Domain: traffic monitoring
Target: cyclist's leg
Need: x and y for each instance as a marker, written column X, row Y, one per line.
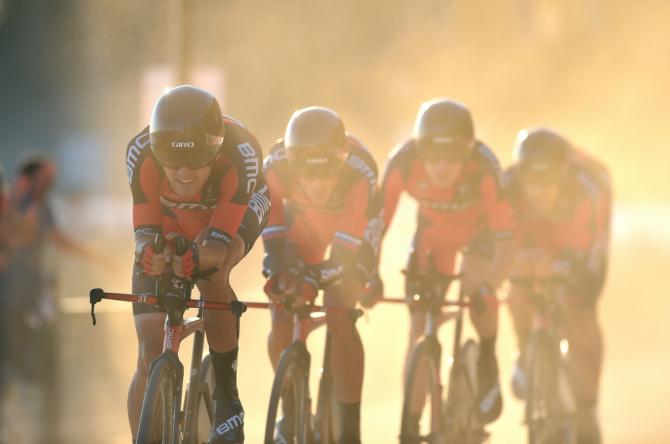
column 477, row 261
column 584, row 366
column 522, row 313
column 347, row 356
column 222, row 330
column 222, row 327
column 149, row 322
column 281, row 333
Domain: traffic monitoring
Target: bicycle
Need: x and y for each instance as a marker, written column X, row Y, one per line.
column 452, row 419
column 291, row 382
column 163, row 417
column 550, row 403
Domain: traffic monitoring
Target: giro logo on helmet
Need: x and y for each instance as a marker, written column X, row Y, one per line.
column 182, row 144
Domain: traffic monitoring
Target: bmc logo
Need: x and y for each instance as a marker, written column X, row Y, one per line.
column 231, row 423
column 260, row 203
column 186, row 205
column 360, row 165
column 134, row 152
column 251, row 166
column 182, row 144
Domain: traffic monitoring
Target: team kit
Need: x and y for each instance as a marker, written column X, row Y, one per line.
column 203, row 194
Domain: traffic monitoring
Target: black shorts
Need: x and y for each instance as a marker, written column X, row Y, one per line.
column 253, row 222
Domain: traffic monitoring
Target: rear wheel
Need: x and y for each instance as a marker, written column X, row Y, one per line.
column 158, row 418
column 546, row 418
column 422, row 404
column 289, row 393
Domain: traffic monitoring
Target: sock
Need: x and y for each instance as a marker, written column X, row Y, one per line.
column 225, row 374
column 487, row 348
column 350, row 415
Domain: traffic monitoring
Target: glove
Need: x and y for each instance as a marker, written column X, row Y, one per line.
column 279, row 285
column 152, row 262
column 374, row 292
column 308, row 288
column 184, row 265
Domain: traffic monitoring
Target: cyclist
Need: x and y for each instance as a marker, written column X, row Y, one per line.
column 322, row 181
column 456, row 181
column 562, row 199
column 197, row 173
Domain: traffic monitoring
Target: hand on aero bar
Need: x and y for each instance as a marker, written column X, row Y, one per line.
column 297, row 280
column 152, row 259
column 183, row 257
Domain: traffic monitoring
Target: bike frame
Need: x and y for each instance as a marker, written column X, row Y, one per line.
column 176, row 298
column 549, row 310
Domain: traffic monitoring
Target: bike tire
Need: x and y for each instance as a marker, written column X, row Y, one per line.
column 424, row 359
column 159, row 414
column 461, row 423
column 327, row 421
column 545, row 419
column 290, row 376
column 203, row 409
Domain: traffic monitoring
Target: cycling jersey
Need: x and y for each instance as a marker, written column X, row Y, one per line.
column 235, row 191
column 234, row 199
column 578, row 226
column 452, row 218
column 340, row 223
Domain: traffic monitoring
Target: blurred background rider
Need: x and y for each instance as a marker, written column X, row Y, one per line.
column 322, row 182
column 562, row 198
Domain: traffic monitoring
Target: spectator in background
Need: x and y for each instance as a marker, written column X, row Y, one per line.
column 26, row 224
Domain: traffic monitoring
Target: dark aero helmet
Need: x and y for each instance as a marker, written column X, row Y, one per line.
column 541, row 153
column 443, row 129
column 186, row 127
column 316, row 142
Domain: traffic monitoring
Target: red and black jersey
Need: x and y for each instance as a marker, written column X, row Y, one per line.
column 340, row 223
column 221, row 204
column 458, row 213
column 578, row 226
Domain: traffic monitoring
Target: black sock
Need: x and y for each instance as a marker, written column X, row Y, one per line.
column 350, row 415
column 225, row 374
column 487, row 348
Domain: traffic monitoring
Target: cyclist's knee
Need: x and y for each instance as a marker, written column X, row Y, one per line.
column 216, row 254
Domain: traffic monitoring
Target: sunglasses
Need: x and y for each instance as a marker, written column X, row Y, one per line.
column 312, row 172
column 435, row 152
column 541, row 172
column 192, row 160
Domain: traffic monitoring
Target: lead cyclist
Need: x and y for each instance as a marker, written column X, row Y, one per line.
column 196, row 173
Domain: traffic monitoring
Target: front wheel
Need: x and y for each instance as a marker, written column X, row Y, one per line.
column 327, row 421
column 461, row 424
column 158, row 418
column 289, row 389
column 422, row 381
column 547, row 420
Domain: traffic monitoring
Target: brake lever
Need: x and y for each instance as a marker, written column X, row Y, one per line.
column 95, row 296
